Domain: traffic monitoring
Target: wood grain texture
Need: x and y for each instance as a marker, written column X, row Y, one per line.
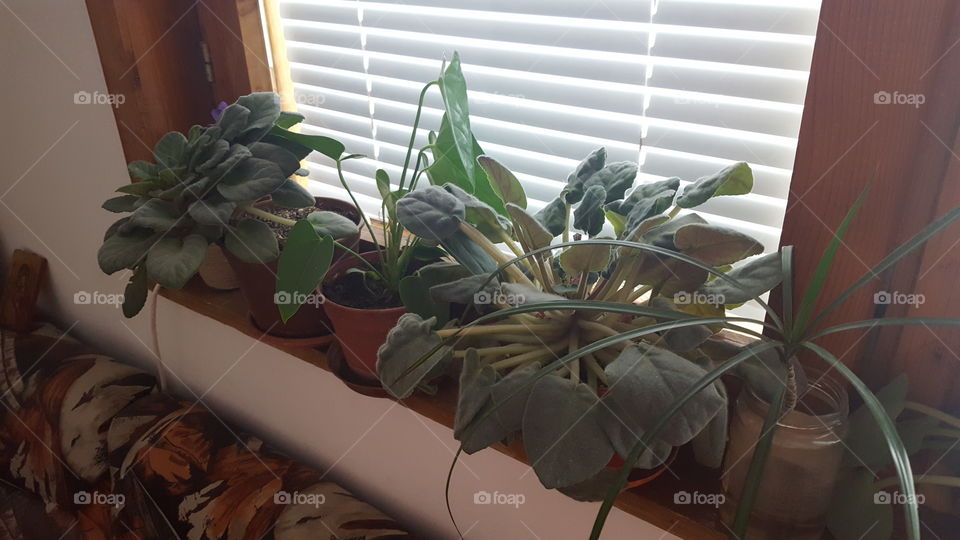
column 233, row 31
column 848, row 141
column 18, row 303
column 150, row 52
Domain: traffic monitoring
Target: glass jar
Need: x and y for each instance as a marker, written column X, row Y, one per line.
column 804, row 459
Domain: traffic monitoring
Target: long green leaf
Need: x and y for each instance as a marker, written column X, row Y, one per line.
column 453, row 88
column 786, row 285
column 822, row 271
column 331, row 148
column 898, row 452
column 650, row 435
column 761, row 452
column 900, row 252
column 894, row 321
column 642, row 247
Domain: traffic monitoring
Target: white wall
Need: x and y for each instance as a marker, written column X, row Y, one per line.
column 61, row 160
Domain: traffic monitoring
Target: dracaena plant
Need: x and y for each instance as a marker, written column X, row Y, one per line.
column 201, row 189
column 540, row 380
column 861, row 507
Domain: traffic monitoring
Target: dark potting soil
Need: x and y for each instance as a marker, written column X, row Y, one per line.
column 296, row 214
column 352, row 290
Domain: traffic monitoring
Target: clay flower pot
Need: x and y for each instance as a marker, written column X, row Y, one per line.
column 359, row 331
column 216, row 271
column 258, row 283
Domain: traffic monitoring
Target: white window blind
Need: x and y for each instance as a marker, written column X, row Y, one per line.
column 702, row 83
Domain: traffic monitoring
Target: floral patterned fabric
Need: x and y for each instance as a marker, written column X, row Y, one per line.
column 90, row 449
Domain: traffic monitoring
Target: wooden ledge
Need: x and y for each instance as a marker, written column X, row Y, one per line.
column 652, row 503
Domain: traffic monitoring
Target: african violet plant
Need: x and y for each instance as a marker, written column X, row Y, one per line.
column 202, row 189
column 616, row 342
column 592, row 287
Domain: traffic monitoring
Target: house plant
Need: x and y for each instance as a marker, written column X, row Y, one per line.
column 606, row 282
column 202, row 190
column 366, row 293
column 490, row 409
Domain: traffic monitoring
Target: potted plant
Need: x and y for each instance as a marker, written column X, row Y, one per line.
column 662, row 376
column 202, row 190
column 593, row 289
column 365, row 294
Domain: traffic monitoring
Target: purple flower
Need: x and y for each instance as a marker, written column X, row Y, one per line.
column 218, row 112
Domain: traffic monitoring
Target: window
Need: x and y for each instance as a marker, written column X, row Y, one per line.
column 699, row 82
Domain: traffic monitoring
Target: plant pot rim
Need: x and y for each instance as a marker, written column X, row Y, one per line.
column 334, row 272
column 267, row 203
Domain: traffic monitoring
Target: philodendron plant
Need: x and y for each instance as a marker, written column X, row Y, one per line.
column 584, row 355
column 593, row 288
column 201, row 189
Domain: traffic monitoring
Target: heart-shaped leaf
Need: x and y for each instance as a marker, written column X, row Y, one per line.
column 464, row 290
column 172, row 261
column 476, row 380
column 212, row 212
column 123, row 203
column 480, row 214
column 615, row 179
column 264, row 110
column 529, row 231
column 575, row 188
column 508, row 400
column 562, row 433
column 237, row 154
column 143, row 170
column 332, row 224
column 403, row 361
column 715, row 245
column 290, row 194
column 737, row 179
column 589, row 216
column 155, row 214
column 503, row 182
column 170, row 150
column 431, row 213
column 585, row 258
column 644, row 381
column 756, row 276
column 250, row 180
column 122, row 250
column 135, row 293
column 553, row 216
column 252, row 241
column 284, row 159
column 303, row 264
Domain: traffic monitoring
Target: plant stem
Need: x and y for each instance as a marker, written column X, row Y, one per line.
column 673, row 213
column 515, row 273
column 413, row 133
column 572, row 346
column 505, row 329
column 520, row 359
column 595, row 368
column 566, row 222
column 935, row 413
column 363, row 217
column 513, row 348
column 949, row 481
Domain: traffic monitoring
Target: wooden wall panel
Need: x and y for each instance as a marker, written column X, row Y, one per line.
column 848, row 140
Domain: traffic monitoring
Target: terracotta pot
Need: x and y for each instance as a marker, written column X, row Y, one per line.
column 639, row 477
column 258, row 283
column 360, row 332
column 216, row 271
